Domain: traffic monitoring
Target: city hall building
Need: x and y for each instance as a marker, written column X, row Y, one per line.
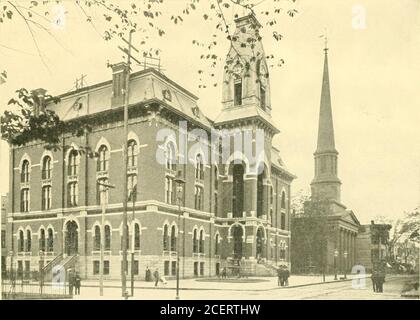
column 232, row 210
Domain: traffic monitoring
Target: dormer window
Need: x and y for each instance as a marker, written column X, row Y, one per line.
column 237, row 92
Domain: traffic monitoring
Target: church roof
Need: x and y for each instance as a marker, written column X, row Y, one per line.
column 326, row 141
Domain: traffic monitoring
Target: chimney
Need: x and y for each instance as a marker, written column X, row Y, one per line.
column 39, row 100
column 119, row 74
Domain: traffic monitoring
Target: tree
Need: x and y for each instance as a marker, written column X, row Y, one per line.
column 149, row 18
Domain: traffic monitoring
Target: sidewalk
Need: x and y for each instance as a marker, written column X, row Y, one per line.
column 255, row 284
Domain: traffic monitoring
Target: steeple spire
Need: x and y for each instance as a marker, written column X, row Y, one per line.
column 326, row 183
column 326, row 140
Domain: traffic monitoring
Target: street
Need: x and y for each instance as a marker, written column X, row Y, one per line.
column 326, row 291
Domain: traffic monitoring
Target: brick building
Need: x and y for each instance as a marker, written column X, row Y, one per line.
column 233, row 209
column 3, row 201
column 372, row 244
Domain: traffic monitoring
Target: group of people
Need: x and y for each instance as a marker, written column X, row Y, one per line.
column 378, row 279
column 75, row 282
column 283, row 275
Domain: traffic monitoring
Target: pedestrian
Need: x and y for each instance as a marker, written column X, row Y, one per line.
column 380, row 281
column 286, row 276
column 224, row 273
column 77, row 283
column 156, row 276
column 373, row 278
column 148, row 274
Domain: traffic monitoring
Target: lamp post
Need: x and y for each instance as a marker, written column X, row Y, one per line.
column 133, row 198
column 335, row 263
column 345, row 264
column 104, row 200
column 179, row 191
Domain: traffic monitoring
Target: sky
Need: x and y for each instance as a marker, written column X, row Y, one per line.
column 374, row 50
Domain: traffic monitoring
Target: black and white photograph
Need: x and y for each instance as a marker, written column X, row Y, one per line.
column 210, row 150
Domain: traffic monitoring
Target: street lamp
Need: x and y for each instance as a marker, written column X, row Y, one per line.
column 104, row 190
column 179, row 192
column 335, row 263
column 345, row 264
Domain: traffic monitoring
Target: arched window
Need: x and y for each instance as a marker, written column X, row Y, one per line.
column 107, row 238
column 73, row 165
column 42, row 240
column 24, row 175
column 103, row 160
column 165, row 238
column 73, row 194
column 132, row 152
column 24, row 200
column 50, row 241
column 198, row 196
column 46, row 168
column 132, row 187
column 195, row 241
column 173, row 238
column 28, row 240
column 170, row 156
column 199, row 167
column 238, row 191
column 136, row 236
column 237, row 91
column 283, row 200
column 216, row 245
column 46, row 197
column 201, row 243
column 21, row 242
column 97, row 239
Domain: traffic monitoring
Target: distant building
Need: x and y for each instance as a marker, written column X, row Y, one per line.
column 372, row 244
column 3, row 232
column 340, row 250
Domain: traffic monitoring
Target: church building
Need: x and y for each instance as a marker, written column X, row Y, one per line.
column 234, row 209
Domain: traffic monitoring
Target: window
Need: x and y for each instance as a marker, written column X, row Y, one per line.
column 97, row 239
column 216, row 179
column 107, row 238
column 21, row 242
column 72, row 168
column 260, row 194
column 132, row 152
column 24, row 175
column 106, row 267
column 42, row 240
column 101, row 191
column 216, row 245
column 173, row 238
column 283, row 221
column 24, row 200
column 238, row 190
column 132, row 187
column 216, row 203
column 170, row 156
column 237, row 92
column 196, row 268
column 165, row 238
column 262, row 97
column 169, row 190
column 46, row 168
column 46, row 197
column 201, row 243
column 136, row 236
column 283, row 200
column 20, row 269
column 199, row 167
column 27, row 269
column 199, row 197
column 96, row 267
column 195, row 241
column 166, row 268
column 28, row 240
column 73, row 194
column 103, row 160
column 50, row 241
column 173, row 268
